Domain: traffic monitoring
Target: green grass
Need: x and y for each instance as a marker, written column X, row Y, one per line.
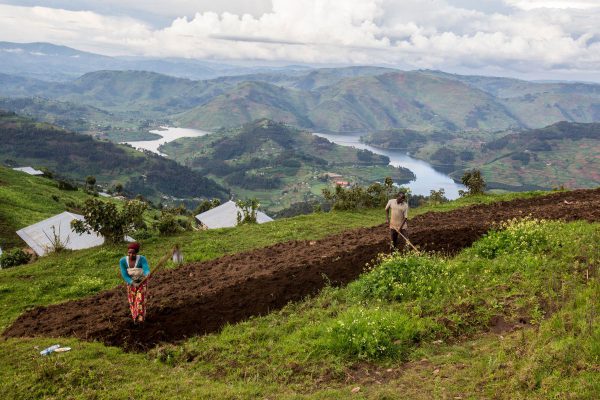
column 419, row 332
column 26, row 199
column 389, row 319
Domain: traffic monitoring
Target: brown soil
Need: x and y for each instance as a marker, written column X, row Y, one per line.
column 202, row 297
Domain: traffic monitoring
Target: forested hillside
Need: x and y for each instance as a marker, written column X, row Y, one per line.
column 75, row 156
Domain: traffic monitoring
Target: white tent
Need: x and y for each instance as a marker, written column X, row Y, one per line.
column 225, row 216
column 29, row 170
column 39, row 236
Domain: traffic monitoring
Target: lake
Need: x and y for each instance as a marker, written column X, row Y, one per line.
column 168, row 134
column 427, row 178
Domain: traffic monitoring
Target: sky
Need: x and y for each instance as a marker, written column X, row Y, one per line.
column 530, row 39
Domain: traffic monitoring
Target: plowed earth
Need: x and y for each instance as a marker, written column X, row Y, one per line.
column 201, row 297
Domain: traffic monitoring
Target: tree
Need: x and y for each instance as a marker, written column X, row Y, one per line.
column 358, row 197
column 437, row 196
column 90, row 181
column 206, row 205
column 105, row 219
column 474, row 183
column 247, row 213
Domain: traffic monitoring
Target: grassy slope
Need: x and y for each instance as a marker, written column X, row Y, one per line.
column 290, row 352
column 26, row 199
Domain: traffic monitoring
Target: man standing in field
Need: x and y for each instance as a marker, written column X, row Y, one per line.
column 398, row 208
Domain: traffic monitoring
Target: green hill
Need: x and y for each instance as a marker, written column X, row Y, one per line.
column 76, row 156
column 332, row 99
column 278, row 164
column 562, row 154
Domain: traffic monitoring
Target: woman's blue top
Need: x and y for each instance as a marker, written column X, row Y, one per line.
column 141, row 263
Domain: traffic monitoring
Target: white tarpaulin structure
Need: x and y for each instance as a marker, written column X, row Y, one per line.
column 39, row 236
column 225, row 216
column 29, row 170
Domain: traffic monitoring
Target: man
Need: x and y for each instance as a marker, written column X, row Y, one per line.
column 398, row 208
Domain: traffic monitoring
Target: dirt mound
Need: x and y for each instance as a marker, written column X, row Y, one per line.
column 201, row 297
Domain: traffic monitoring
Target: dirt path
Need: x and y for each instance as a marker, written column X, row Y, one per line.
column 201, row 297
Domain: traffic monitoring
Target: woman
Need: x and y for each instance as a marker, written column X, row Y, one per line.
column 134, row 268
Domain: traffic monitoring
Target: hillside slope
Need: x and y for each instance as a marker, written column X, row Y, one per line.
column 202, row 298
column 336, row 100
column 77, row 156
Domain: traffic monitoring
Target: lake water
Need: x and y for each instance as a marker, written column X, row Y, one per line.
column 168, row 134
column 427, row 178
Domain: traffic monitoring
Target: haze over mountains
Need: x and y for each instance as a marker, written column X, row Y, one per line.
column 60, row 63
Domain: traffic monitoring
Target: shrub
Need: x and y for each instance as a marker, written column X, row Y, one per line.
column 371, row 333
column 514, row 236
column 14, row 257
column 167, row 224
column 206, row 205
column 66, row 185
column 405, row 277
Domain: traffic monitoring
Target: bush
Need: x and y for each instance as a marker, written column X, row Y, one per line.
column 371, row 333
column 14, row 257
column 527, row 235
column 66, row 185
column 167, row 224
column 406, row 277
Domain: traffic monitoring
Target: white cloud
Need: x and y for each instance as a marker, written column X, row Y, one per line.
column 560, row 4
column 503, row 35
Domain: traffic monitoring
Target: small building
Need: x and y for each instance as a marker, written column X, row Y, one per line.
column 40, row 236
column 29, row 170
column 225, row 216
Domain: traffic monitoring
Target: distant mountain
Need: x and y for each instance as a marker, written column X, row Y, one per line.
column 77, row 156
column 357, row 99
column 537, row 104
column 367, row 102
column 50, row 62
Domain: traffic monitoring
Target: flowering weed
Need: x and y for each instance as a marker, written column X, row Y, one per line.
column 515, row 236
column 405, row 277
column 374, row 333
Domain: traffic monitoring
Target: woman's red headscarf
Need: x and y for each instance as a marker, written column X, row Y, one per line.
column 134, row 246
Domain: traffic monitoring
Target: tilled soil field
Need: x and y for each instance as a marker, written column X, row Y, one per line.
column 200, row 298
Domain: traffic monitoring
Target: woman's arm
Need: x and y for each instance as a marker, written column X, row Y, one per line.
column 145, row 265
column 124, row 274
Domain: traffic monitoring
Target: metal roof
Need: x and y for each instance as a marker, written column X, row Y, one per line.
column 225, row 216
column 38, row 236
column 29, row 170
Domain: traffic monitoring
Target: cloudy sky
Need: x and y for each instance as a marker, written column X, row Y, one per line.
column 532, row 39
